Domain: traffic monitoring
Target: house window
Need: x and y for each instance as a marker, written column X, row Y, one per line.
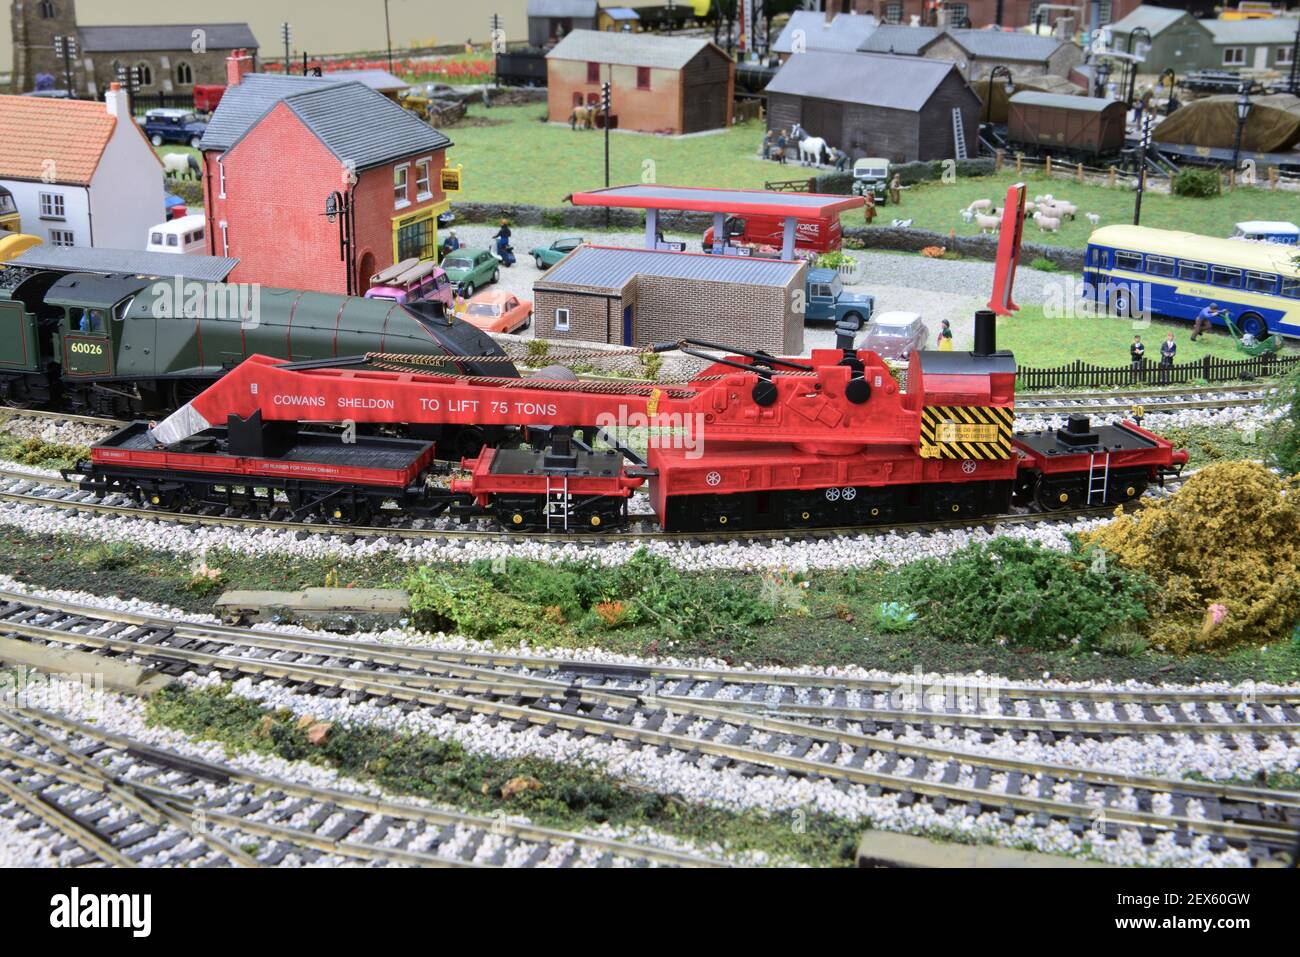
column 958, row 14
column 1234, row 56
column 593, row 72
column 415, row 240
column 893, row 13
column 225, row 239
column 48, row 10
column 1104, row 12
column 1284, row 55
column 145, row 72
column 422, row 190
column 221, row 174
column 401, row 192
column 643, row 78
column 561, row 320
column 52, row 206
column 184, row 74
column 62, row 237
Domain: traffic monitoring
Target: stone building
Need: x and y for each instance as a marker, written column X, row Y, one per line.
column 169, row 58
column 639, row 296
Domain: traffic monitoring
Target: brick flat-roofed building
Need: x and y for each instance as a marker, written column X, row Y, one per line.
column 639, row 296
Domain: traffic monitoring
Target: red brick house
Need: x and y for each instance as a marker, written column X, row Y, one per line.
column 282, row 151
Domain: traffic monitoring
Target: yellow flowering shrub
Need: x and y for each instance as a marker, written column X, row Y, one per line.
column 1224, row 551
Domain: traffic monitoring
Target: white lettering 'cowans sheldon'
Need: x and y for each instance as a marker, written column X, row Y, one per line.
column 76, row 910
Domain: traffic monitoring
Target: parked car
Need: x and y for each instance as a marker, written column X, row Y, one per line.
column 826, row 301
column 182, row 236
column 411, row 280
column 872, row 174
column 471, row 269
column 547, row 256
column 497, row 311
column 173, row 126
column 895, row 335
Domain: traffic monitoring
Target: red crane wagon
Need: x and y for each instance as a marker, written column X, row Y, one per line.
column 774, row 443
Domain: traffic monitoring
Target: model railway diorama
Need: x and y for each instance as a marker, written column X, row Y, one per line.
column 828, row 440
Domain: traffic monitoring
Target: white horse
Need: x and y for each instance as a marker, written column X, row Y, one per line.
column 180, row 165
column 811, row 148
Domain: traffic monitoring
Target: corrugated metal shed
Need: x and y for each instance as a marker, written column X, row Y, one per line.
column 844, row 34
column 94, row 259
column 628, row 49
column 871, row 79
column 997, row 44
column 562, row 8
column 611, row 268
column 1150, row 18
column 1278, row 30
column 1090, row 104
column 168, row 37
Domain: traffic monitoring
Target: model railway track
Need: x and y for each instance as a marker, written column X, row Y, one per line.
column 25, row 488
column 1130, row 395
column 1148, row 406
column 57, row 417
column 872, row 704
column 125, row 802
column 1262, row 822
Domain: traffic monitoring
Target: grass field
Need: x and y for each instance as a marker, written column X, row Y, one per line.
column 520, row 159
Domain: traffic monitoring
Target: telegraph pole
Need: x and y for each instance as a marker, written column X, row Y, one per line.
column 1145, row 148
column 388, row 36
column 494, row 32
column 129, row 79
column 66, row 47
column 605, row 92
column 285, row 33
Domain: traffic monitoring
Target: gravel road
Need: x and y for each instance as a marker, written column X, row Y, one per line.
column 936, row 288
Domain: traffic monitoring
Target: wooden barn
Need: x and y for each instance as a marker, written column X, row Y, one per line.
column 903, row 108
column 659, row 84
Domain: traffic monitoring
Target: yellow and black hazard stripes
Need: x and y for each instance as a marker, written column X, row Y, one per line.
column 966, row 432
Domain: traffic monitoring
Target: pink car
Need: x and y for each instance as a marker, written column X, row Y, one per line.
column 411, row 280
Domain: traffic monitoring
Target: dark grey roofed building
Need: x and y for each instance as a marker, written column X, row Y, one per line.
column 867, row 104
column 95, row 259
column 244, row 104
column 610, row 267
column 549, row 20
column 629, row 49
column 380, row 81
column 813, row 32
column 171, row 36
column 892, row 38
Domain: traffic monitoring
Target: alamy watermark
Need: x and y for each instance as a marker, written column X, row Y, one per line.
column 181, row 298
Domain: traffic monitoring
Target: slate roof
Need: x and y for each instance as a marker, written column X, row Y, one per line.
column 871, row 79
column 380, row 80
column 172, row 36
column 844, row 34
column 1152, row 18
column 70, row 133
column 562, row 8
column 892, row 38
column 1279, row 31
column 244, row 104
column 1000, row 45
column 628, row 49
column 610, row 267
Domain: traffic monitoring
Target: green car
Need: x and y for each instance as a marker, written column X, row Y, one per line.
column 547, row 256
column 471, row 269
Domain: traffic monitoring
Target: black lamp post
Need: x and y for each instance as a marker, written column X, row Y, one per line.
column 1133, row 67
column 994, row 73
column 1294, row 83
column 1145, row 125
column 1243, row 112
column 1103, row 76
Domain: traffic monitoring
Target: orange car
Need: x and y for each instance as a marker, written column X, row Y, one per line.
column 496, row 311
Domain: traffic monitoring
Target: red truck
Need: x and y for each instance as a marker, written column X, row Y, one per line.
column 762, row 236
column 206, row 98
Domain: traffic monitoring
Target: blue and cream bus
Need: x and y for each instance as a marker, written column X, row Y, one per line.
column 1137, row 270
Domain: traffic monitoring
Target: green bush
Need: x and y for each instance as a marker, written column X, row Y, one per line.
column 840, row 181
column 189, row 190
column 1282, row 442
column 1018, row 593
column 1043, row 264
column 1194, row 181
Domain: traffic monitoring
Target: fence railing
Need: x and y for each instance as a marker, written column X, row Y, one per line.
column 791, row 185
column 1205, row 369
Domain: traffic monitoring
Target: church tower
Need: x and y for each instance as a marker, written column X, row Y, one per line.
column 35, row 25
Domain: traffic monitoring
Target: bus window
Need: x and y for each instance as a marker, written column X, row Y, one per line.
column 1132, row 262
column 1097, row 257
column 1261, row 282
column 1291, row 288
column 1160, row 265
column 1193, row 272
column 1226, row 276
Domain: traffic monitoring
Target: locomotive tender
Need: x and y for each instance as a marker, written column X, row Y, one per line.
column 831, row 440
column 130, row 345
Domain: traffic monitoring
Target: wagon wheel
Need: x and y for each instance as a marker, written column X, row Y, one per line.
column 1053, row 497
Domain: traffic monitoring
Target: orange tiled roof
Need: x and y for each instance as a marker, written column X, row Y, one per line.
column 72, row 133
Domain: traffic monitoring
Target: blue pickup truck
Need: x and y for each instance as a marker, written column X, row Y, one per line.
column 826, row 301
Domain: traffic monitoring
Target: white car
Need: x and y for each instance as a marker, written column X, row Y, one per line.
column 894, row 335
column 181, row 236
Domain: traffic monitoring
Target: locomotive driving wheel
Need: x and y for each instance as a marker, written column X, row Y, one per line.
column 1054, row 496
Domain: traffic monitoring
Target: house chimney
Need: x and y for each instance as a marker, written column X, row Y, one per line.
column 238, row 65
column 115, row 102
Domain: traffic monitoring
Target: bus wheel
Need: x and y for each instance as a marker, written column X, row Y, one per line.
column 1253, row 324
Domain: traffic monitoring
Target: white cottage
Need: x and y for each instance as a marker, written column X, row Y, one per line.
column 80, row 172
